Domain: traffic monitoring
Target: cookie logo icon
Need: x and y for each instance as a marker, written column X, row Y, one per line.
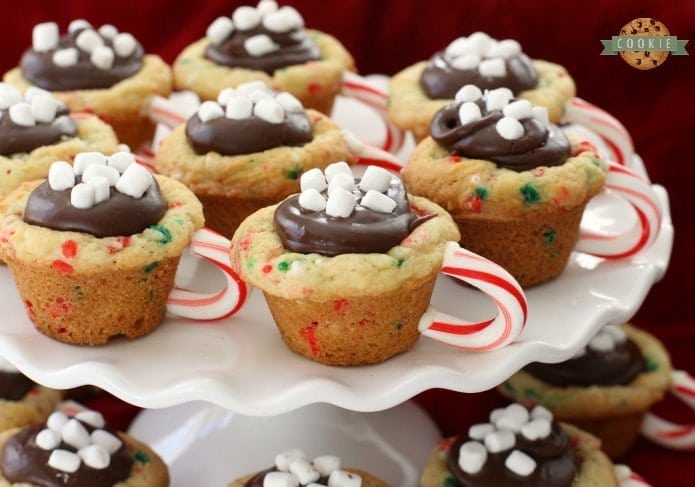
column 644, row 43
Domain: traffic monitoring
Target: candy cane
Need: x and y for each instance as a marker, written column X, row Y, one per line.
column 627, row 478
column 666, row 433
column 369, row 155
column 201, row 306
column 637, row 191
column 162, row 110
column 494, row 281
column 614, row 134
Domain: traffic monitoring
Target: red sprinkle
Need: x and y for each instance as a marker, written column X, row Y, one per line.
column 121, row 243
column 309, row 334
column 364, row 322
column 59, row 308
column 69, row 249
column 267, row 268
column 6, row 234
column 314, row 88
column 63, row 267
column 473, row 203
column 539, row 171
column 244, row 243
column 454, row 158
column 561, row 195
column 30, row 309
column 340, row 305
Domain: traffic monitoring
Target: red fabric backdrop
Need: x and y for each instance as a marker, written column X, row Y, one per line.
column 388, row 35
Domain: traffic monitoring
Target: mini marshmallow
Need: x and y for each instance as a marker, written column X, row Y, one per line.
column 340, row 203
column 64, row 123
column 47, row 439
column 64, row 460
column 497, row 99
column 479, row 42
column 457, row 47
column 496, row 414
column 95, row 456
column 284, row 459
column 492, row 68
column 536, row 429
column 602, row 342
column 509, row 128
column 504, row 49
column 280, row 479
column 246, row 18
column 469, row 112
column 325, row 464
column 310, row 199
column 377, row 201
column 467, row 61
column 292, row 17
column 514, row 417
column 616, row 332
column 541, row 114
column 342, row 181
column 472, row 457
column 540, row 411
column 259, row 45
column 209, row 110
column 278, row 21
column 468, row 93
column 258, row 95
column 376, row 178
column 341, row 478
column 57, row 420
column 65, row 57
column 266, row 7
column 124, row 44
column 102, row 190
column 518, row 109
column 219, row 30
column 43, row 107
column 92, row 418
column 106, row 440
column 337, row 168
column 20, row 113
column 82, row 196
column 88, row 39
column 480, row 430
column 239, row 108
column 102, row 57
column 289, row 102
column 520, row 463
column 269, row 110
column 73, row 433
column 33, row 91
column 84, row 159
column 108, row 31
column 498, row 441
column 78, row 24
column 245, row 89
column 622, row 472
column 224, row 95
column 134, row 181
column 9, row 95
column 313, row 178
column 45, row 36
column 304, row 471
column 120, row 161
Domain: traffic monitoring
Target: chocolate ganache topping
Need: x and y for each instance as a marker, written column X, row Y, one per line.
column 90, row 202
column 481, row 61
column 251, row 118
column 30, row 121
column 84, row 58
column 609, row 359
column 340, row 215
column 262, row 38
column 540, row 454
column 30, row 455
column 496, row 127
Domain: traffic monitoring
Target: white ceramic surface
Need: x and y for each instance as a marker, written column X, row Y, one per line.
column 208, row 445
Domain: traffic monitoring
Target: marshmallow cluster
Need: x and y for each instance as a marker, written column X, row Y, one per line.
column 250, row 99
column 93, row 449
column 46, row 38
column 605, row 340
column 99, row 173
column 245, row 18
column 295, row 469
column 338, row 182
column 499, row 435
column 36, row 106
column 509, row 127
column 480, row 51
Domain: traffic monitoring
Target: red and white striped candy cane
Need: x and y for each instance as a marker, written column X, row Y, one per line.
column 639, row 193
column 664, row 432
column 164, row 111
column 627, row 478
column 210, row 306
column 494, row 281
column 368, row 155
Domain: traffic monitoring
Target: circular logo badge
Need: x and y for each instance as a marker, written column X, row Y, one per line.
column 643, row 27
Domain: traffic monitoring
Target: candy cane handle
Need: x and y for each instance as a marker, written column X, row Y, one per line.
column 210, row 306
column 494, row 281
column 368, row 155
column 638, row 192
column 162, row 110
column 664, row 432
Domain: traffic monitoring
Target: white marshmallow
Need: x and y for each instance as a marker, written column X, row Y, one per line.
column 120, row 161
column 342, row 181
column 468, row 93
column 209, row 110
column 480, row 430
column 134, row 181
column 479, row 42
column 313, row 178
column 106, row 440
column 258, row 95
column 219, row 30
column 310, row 199
column 43, row 107
column 472, row 457
column 82, row 197
column 84, row 159
column 536, row 429
column 78, row 24
column 340, row 203
column 245, row 89
column 246, row 17
column 337, row 168
column 540, row 411
column 518, row 109
column 101, row 186
column 493, row 68
column 509, row 128
column 498, row 441
column 73, row 433
column 376, row 178
column 88, row 39
column 469, row 112
column 497, row 99
column 108, row 31
column 33, row 91
column 95, row 456
column 47, row 439
column 341, row 478
column 20, row 113
column 124, row 44
column 65, row 57
column 377, row 201
column 9, row 95
column 64, row 460
column 239, row 108
column 280, row 479
column 102, row 57
column 289, row 102
column 269, row 110
column 496, row 414
column 278, row 21
column 602, row 342
column 504, row 49
column 457, row 47
column 466, row 61
column 266, row 7
column 292, row 17
column 284, row 459
column 622, row 472
column 517, row 411
column 111, row 175
column 45, row 36
column 304, row 471
column 224, row 95
column 259, row 45
column 618, row 334
column 57, row 420
column 125, row 148
column 541, row 114
column 325, row 464
column 520, row 463
column 64, row 123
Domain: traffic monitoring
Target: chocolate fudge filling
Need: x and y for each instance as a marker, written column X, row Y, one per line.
column 14, row 386
column 15, row 138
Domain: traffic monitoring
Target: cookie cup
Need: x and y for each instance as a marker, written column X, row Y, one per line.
column 314, row 83
column 78, row 288
column 123, row 104
column 232, row 187
column 612, row 413
column 368, row 480
column 596, row 468
column 409, row 107
column 349, row 309
column 527, row 222
column 33, row 408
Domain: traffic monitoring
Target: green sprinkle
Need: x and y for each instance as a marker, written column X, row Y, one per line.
column 508, row 387
column 141, row 456
column 283, row 266
column 530, row 194
column 251, row 263
column 530, row 392
column 652, row 366
column 180, row 221
column 79, row 294
column 549, row 236
column 399, row 262
column 150, row 267
column 293, row 173
column 185, row 60
column 451, row 482
column 481, row 192
column 166, row 234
